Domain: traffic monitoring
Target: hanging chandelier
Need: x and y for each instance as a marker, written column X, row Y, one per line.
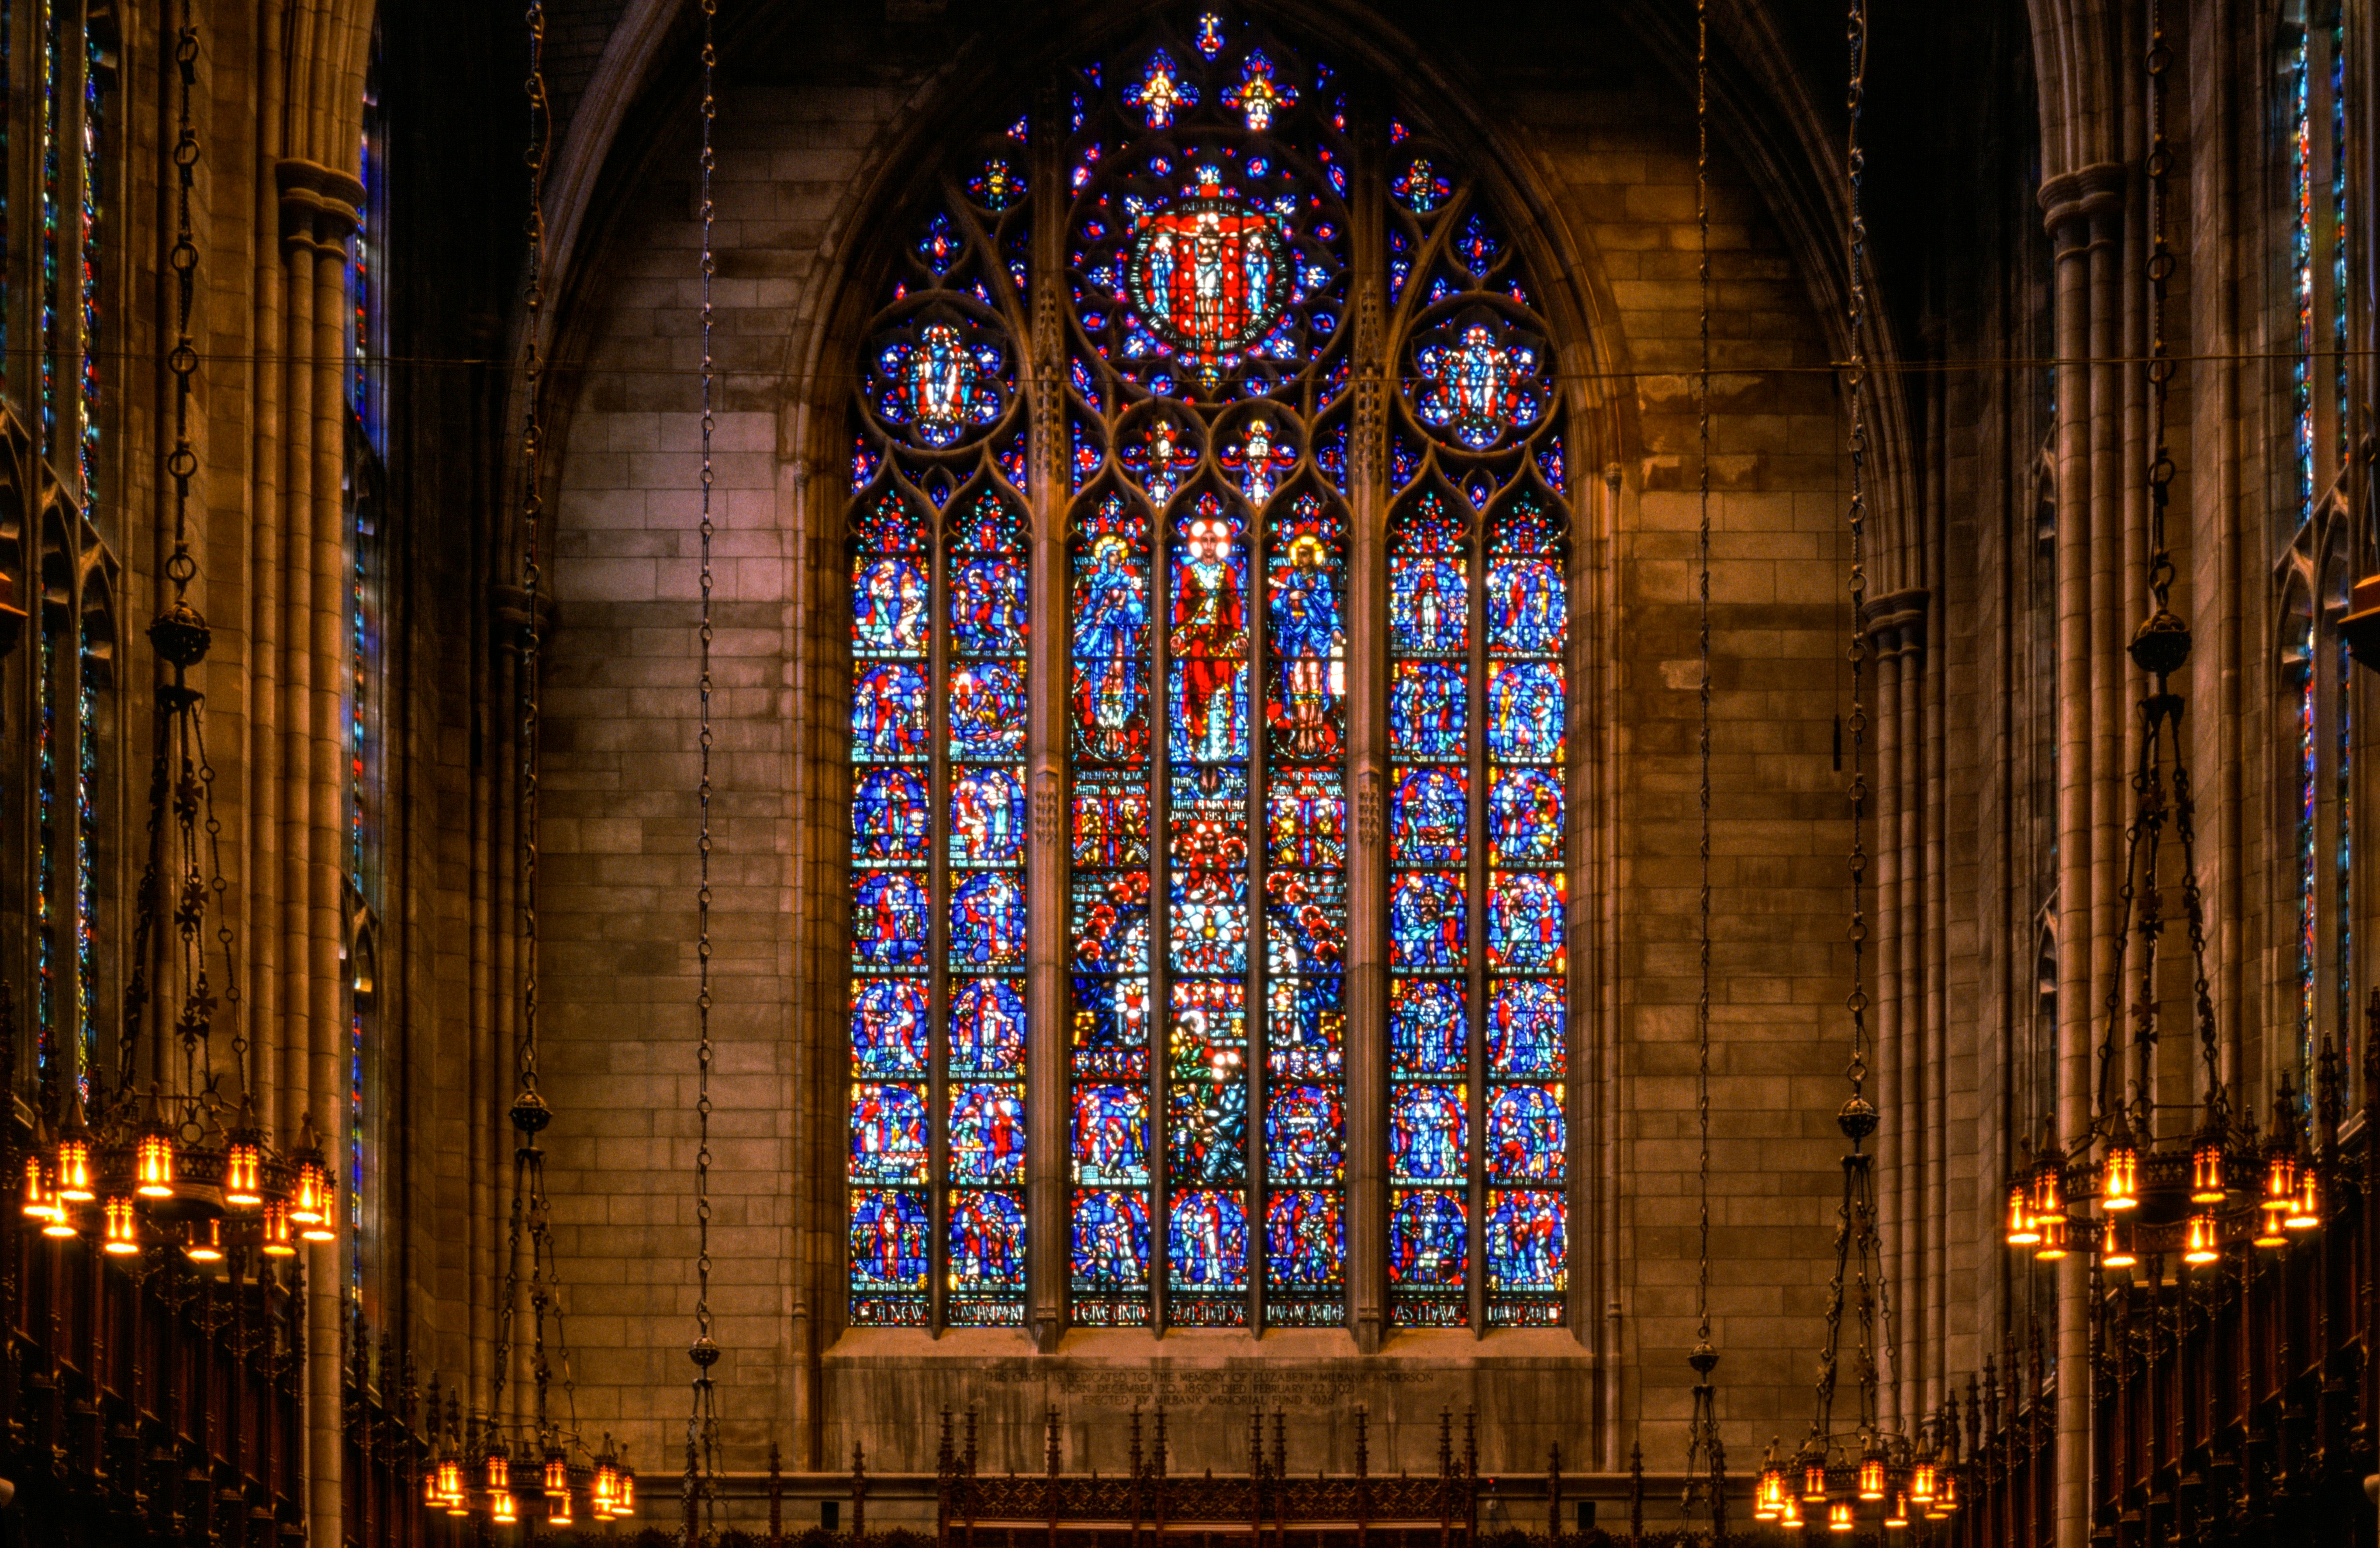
column 2201, row 1191
column 533, row 1467
column 179, row 1162
column 1843, row 1472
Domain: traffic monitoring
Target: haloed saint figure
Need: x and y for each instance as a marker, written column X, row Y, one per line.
column 1210, row 641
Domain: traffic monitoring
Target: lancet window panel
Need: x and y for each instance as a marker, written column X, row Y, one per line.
column 1194, row 456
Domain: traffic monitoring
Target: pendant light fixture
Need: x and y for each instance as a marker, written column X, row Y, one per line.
column 529, row 1467
column 1706, row 1488
column 179, row 1162
column 702, row 1421
column 2205, row 1189
column 1851, row 1466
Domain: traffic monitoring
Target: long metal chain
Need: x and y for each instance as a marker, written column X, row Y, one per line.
column 1703, row 645
column 1855, row 385
column 702, row 1424
column 533, row 514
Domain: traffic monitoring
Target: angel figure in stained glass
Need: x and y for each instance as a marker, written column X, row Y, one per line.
column 1259, row 460
column 1258, row 95
column 1161, row 91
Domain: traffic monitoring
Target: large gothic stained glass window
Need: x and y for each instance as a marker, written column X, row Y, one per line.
column 1170, row 389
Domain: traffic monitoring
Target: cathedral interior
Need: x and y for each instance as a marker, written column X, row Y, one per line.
column 1560, row 772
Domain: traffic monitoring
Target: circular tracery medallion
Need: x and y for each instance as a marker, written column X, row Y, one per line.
column 1208, row 277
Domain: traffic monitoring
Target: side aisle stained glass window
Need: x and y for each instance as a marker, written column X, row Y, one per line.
column 939, row 632
column 1194, row 463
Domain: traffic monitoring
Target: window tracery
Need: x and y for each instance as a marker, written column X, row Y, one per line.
column 1202, row 390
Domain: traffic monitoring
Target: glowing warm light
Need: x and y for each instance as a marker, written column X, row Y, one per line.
column 74, row 1171
column 2020, row 1231
column 312, row 1204
column 430, row 1494
column 557, row 1475
column 1838, row 1517
column 607, row 1488
column 320, row 1230
column 1871, row 1477
column 2119, row 1176
column 1814, row 1481
column 2206, row 1172
column 2116, row 1246
column 449, row 1479
column 121, row 1232
column 244, row 1175
column 39, row 1203
column 1920, row 1482
column 2202, row 1247
column 626, row 1504
column 560, row 1515
column 499, row 1508
column 152, row 1166
column 2306, row 1211
column 2053, row 1240
column 1792, row 1519
column 276, row 1231
column 1769, row 1501
column 500, row 1467
column 1898, row 1517
column 2048, row 1184
column 207, row 1248
column 1946, row 1499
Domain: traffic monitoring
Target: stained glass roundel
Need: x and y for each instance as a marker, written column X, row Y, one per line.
column 1208, row 276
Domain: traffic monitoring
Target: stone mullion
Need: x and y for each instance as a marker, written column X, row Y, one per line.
column 1363, row 1051
column 1254, row 605
column 1046, row 1094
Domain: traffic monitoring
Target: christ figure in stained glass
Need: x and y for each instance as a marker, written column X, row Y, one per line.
column 1209, row 643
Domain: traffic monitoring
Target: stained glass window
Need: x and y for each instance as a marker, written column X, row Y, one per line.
column 2317, row 560
column 1196, row 465
column 939, row 582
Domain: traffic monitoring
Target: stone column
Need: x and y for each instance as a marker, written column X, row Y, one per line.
column 1368, row 613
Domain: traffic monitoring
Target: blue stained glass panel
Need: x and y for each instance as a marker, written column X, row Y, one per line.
column 1525, row 1137
column 987, row 817
column 1425, row 923
column 1305, row 1237
column 988, row 1027
column 987, row 710
column 1206, row 1241
column 1429, row 606
column 1428, row 1034
column 1111, row 924
column 888, row 920
column 1527, row 612
column 888, row 608
column 1525, row 920
column 1527, row 1235
column 1524, row 712
column 1429, row 709
column 1429, row 1241
column 1110, row 1136
column 888, row 712
column 888, row 1240
column 1309, row 919
column 987, row 922
column 1428, row 817
column 1303, row 1125
column 1427, row 1135
column 888, row 1133
column 887, row 1028
column 987, row 1134
column 988, row 612
column 1305, row 1024
column 1527, row 1029
column 889, row 817
column 1525, row 819
column 986, row 1242
column 1110, row 1241
column 1110, row 1028
column 1207, row 1094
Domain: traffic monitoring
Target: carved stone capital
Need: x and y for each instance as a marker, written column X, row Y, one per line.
column 321, row 207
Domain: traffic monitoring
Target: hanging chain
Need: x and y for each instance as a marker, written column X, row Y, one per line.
column 1702, row 644
column 182, row 463
column 541, row 126
column 2160, row 271
column 1855, row 385
column 702, row 1424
